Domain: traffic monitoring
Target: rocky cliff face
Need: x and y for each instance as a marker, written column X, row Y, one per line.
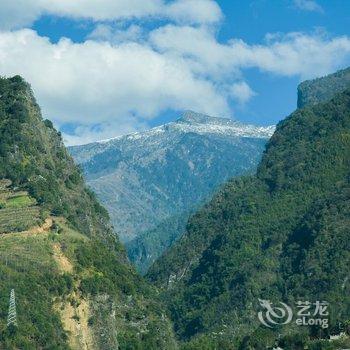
column 311, row 92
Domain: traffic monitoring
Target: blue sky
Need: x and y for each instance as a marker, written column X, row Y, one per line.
column 109, row 67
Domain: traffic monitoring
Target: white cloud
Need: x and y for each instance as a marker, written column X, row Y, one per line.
column 298, row 54
column 308, row 5
column 241, row 92
column 97, row 82
column 20, row 13
column 86, row 133
column 194, row 11
column 120, row 78
column 105, row 32
column 290, row 54
column 120, row 86
column 198, row 46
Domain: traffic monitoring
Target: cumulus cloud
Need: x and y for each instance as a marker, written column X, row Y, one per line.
column 198, row 46
column 20, row 13
column 284, row 54
column 308, row 5
column 298, row 54
column 107, row 87
column 97, row 82
column 241, row 92
column 105, row 130
column 194, row 11
column 122, row 76
column 105, row 32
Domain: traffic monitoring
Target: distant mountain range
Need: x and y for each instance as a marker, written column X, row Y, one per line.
column 151, row 181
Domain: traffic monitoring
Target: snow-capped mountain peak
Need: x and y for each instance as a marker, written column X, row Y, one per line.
column 192, row 122
column 155, row 178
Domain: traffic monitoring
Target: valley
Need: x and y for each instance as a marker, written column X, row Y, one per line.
column 174, row 175
column 279, row 235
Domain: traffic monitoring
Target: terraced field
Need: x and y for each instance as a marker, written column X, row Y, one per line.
column 18, row 211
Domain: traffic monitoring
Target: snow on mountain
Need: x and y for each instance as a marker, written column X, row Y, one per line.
column 202, row 124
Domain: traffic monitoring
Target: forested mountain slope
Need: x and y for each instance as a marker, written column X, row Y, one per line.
column 74, row 287
column 281, row 235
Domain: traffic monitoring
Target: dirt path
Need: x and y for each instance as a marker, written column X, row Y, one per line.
column 41, row 229
column 75, row 320
column 36, row 230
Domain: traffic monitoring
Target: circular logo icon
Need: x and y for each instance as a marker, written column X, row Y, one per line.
column 274, row 315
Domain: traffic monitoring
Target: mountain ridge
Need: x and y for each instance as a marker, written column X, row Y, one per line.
column 74, row 285
column 194, row 121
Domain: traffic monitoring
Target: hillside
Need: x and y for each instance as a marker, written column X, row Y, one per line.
column 74, row 287
column 151, row 182
column 281, row 235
